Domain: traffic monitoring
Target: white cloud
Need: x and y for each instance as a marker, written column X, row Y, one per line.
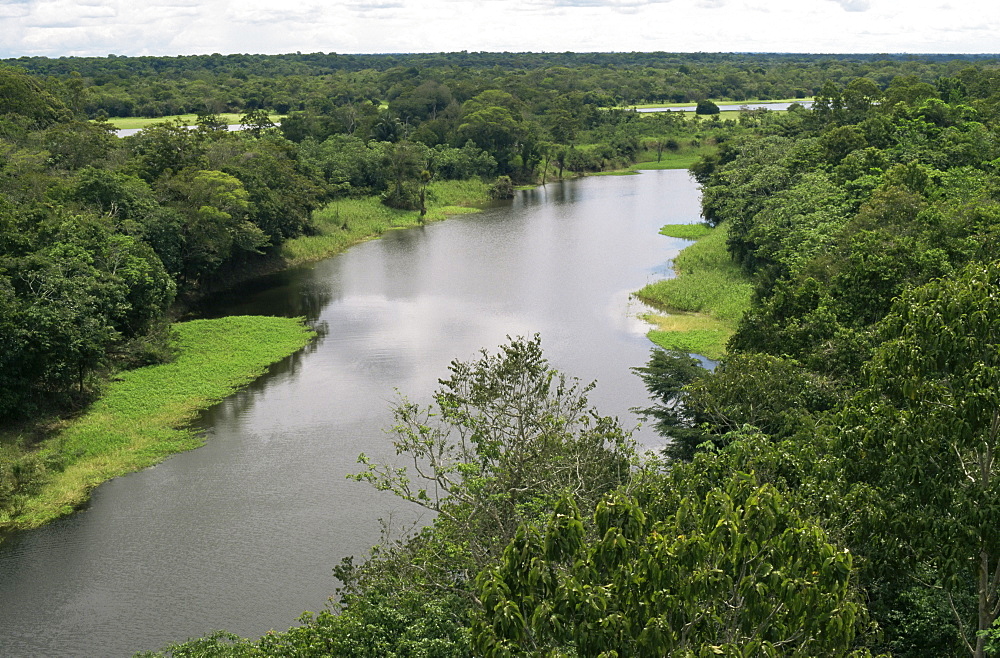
column 854, row 5
column 171, row 27
column 67, row 13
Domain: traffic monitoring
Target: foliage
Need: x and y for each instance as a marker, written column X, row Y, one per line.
column 706, row 107
column 926, row 429
column 503, row 188
column 869, row 235
column 695, row 408
column 506, row 435
column 22, row 95
column 683, row 567
column 666, row 376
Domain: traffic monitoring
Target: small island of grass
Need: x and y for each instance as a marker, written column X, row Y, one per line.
column 705, row 301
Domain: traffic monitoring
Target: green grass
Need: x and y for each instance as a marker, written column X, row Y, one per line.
column 347, row 222
column 694, row 335
column 682, row 158
column 686, row 231
column 706, row 299
column 188, row 120
column 142, row 417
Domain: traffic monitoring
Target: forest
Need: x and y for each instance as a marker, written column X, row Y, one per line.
column 831, row 488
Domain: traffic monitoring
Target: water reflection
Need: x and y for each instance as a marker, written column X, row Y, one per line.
column 242, row 533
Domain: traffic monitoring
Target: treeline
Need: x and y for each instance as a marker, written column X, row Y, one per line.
column 869, row 358
column 314, row 83
column 832, row 488
column 99, row 235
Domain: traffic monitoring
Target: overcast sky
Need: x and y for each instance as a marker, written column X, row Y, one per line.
column 180, row 27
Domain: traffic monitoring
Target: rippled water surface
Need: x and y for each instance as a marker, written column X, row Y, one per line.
column 242, row 533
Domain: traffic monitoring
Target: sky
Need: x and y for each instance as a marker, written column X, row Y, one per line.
column 55, row 28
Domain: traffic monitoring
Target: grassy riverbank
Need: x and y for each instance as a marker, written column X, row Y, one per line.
column 681, row 158
column 706, row 299
column 228, row 118
column 142, row 416
column 347, row 222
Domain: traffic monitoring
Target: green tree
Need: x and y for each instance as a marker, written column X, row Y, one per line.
column 506, row 435
column 214, row 205
column 257, row 123
column 706, row 107
column 924, row 437
column 494, row 129
column 22, row 95
column 688, row 566
column 404, row 161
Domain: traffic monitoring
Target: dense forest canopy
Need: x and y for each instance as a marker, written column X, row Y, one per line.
column 831, row 489
column 161, row 86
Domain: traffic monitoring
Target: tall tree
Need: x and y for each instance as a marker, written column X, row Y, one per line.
column 690, row 566
column 925, row 436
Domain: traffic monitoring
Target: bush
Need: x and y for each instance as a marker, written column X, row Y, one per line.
column 706, row 107
column 503, row 188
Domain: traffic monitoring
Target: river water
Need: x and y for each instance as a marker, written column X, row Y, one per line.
column 728, row 107
column 242, row 533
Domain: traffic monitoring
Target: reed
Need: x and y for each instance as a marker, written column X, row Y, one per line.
column 706, row 299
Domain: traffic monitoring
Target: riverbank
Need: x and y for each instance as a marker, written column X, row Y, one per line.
column 704, row 303
column 143, row 415
column 347, row 222
column 343, row 223
column 54, row 477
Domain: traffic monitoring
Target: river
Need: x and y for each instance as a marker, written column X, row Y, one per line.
column 243, row 532
column 730, row 107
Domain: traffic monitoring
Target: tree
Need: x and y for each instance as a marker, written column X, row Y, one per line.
column 215, row 206
column 22, row 95
column 257, row 123
column 404, row 161
column 495, row 130
column 281, row 195
column 706, row 107
column 505, row 437
column 688, row 566
column 924, row 435
column 666, row 376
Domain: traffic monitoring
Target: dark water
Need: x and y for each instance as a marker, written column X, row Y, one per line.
column 242, row 533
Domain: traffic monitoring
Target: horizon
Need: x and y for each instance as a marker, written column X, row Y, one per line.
column 893, row 54
column 167, row 28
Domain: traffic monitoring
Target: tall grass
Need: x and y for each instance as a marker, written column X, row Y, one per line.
column 346, row 222
column 142, row 417
column 706, row 299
